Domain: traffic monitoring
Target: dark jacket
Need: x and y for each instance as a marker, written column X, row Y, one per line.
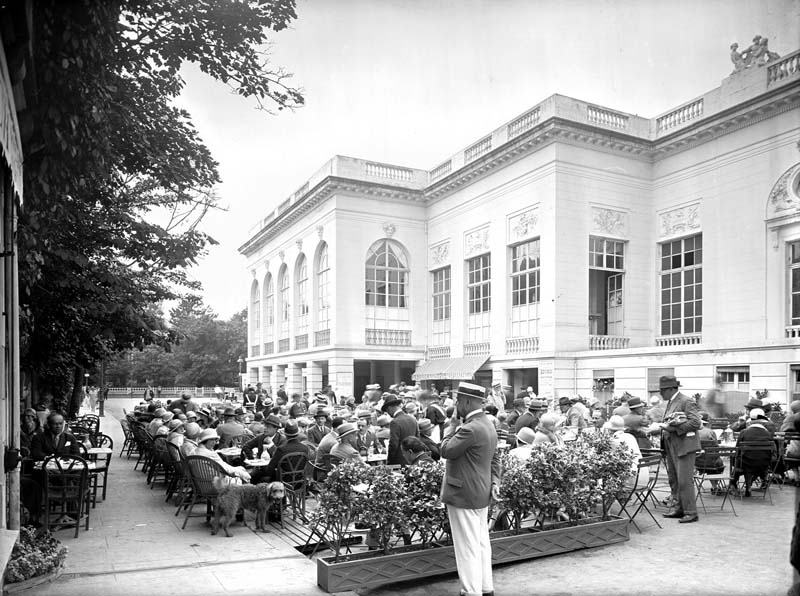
column 403, row 425
column 45, row 444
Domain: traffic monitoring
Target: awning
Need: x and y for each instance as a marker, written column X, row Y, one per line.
column 458, row 369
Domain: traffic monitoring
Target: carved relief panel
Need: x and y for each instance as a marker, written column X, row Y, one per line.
column 439, row 254
column 523, row 225
column 609, row 222
column 677, row 222
column 476, row 241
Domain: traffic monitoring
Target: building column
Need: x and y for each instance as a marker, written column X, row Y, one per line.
column 294, row 378
column 340, row 376
column 277, row 378
column 313, row 374
column 396, row 372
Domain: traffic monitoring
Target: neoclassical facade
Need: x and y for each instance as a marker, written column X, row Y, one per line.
column 576, row 249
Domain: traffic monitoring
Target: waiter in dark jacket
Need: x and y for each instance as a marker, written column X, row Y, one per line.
column 402, row 425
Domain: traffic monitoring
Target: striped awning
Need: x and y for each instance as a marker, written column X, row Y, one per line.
column 451, row 369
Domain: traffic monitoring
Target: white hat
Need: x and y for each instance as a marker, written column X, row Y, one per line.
column 757, row 413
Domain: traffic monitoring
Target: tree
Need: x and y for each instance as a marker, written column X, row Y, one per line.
column 116, row 177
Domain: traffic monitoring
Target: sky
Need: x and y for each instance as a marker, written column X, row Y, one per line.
column 410, row 82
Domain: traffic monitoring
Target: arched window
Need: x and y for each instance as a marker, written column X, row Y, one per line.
column 283, row 303
column 269, row 311
column 301, row 296
column 255, row 314
column 386, row 275
column 323, row 290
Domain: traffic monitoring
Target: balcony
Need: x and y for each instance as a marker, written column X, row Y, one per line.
column 679, row 340
column 608, row 342
column 255, row 350
column 283, row 345
column 269, row 348
column 480, row 348
column 388, row 337
column 437, row 352
column 322, row 338
column 793, row 332
column 301, row 341
column 522, row 345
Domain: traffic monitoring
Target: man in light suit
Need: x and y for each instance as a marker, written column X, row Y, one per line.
column 681, row 442
column 471, row 481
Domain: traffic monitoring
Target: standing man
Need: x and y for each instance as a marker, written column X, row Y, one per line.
column 471, row 481
column 679, row 435
column 402, row 425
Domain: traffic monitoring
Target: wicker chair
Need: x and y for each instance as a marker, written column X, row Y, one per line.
column 161, row 464
column 178, row 482
column 101, row 463
column 202, row 472
column 129, row 445
column 291, row 470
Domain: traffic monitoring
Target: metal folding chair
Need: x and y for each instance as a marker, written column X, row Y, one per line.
column 723, row 479
column 640, row 495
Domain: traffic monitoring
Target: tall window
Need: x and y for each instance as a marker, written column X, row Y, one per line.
column 269, row 309
column 386, row 274
column 525, row 262
column 794, row 281
column 323, row 290
column 386, row 277
column 301, row 299
column 479, row 298
column 682, row 286
column 606, row 274
column 284, row 306
column 255, row 314
column 441, row 306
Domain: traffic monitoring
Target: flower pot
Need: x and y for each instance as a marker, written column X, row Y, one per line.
column 17, row 587
column 371, row 569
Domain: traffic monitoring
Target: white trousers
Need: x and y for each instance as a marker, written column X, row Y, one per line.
column 470, row 528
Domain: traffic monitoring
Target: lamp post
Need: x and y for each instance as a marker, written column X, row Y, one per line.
column 85, row 386
column 241, row 373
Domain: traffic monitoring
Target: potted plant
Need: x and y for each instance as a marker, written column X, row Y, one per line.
column 35, row 559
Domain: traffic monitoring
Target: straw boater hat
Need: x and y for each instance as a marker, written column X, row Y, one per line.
column 470, row 391
column 537, row 405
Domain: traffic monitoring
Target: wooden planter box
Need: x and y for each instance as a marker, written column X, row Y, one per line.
column 370, row 569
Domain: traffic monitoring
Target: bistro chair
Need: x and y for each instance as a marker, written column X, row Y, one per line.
column 161, row 463
column 90, row 421
column 129, row 445
column 67, row 492
column 638, row 497
column 177, row 481
column 722, row 479
column 291, row 471
column 100, row 462
column 202, row 471
column 785, row 439
column 750, row 456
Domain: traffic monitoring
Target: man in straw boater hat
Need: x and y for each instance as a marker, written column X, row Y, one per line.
column 679, row 436
column 471, row 481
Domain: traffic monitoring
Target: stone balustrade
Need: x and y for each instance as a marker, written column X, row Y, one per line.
column 679, row 340
column 524, row 122
column 388, row 337
column 522, row 345
column 441, row 170
column 608, row 342
column 379, row 170
column 607, row 118
column 480, row 348
column 437, row 352
column 482, row 147
column 793, row 332
column 783, row 69
column 683, row 114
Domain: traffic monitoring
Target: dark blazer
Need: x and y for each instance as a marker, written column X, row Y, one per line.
column 684, row 436
column 472, row 463
column 315, row 434
column 403, row 425
column 44, row 444
column 269, row 473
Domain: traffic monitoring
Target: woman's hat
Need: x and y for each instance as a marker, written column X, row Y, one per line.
column 525, row 435
column 192, row 430
column 615, row 423
column 425, row 425
column 383, row 420
column 207, row 435
column 757, row 413
column 173, row 424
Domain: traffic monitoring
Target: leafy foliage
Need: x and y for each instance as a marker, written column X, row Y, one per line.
column 116, row 177
column 423, row 510
column 33, row 556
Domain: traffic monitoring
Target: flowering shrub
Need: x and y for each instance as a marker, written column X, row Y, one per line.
column 571, row 479
column 423, row 510
column 34, row 555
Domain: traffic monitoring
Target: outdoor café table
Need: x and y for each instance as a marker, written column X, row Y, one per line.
column 377, row 458
column 52, row 465
column 231, row 455
column 99, row 451
column 256, row 463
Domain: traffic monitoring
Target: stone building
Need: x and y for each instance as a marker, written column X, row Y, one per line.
column 574, row 249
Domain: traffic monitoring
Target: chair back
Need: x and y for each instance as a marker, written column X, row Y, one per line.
column 718, row 423
column 101, row 440
column 291, row 470
column 81, row 432
column 755, row 452
column 174, row 454
column 72, row 473
column 90, row 421
column 202, row 471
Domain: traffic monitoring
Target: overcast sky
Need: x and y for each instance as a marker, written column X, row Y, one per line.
column 410, row 82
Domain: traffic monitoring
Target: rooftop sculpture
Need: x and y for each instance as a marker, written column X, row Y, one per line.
column 758, row 54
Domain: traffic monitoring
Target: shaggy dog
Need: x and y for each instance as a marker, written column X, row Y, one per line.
column 255, row 497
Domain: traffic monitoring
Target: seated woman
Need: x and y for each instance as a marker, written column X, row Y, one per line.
column 638, row 476
column 545, row 430
column 29, row 428
column 206, row 442
column 756, row 463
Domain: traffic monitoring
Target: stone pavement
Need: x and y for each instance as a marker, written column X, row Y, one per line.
column 135, row 533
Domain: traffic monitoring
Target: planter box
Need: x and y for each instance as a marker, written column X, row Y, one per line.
column 371, row 569
column 17, row 587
